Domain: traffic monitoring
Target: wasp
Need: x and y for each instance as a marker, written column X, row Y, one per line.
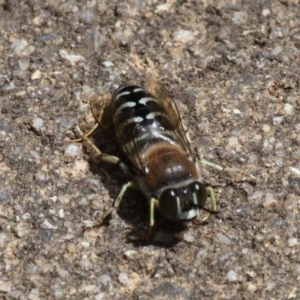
column 159, row 159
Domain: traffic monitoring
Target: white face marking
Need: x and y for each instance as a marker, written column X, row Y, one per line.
column 122, row 94
column 137, row 90
column 146, row 99
column 153, row 115
column 124, row 105
column 191, row 214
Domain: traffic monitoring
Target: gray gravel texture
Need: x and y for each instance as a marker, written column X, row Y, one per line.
column 233, row 68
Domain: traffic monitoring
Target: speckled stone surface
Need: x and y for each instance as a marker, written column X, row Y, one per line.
column 233, row 68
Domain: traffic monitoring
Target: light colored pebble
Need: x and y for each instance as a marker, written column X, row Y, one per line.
column 288, row 109
column 72, row 151
column 72, row 58
column 240, row 17
column 232, row 143
column 270, row 285
column 85, row 263
column 47, row 225
column 85, row 244
column 183, row 36
column 232, row 276
column 37, row 125
column 18, row 45
column 256, row 196
column 266, row 128
column 104, row 279
column 295, row 170
column 188, row 237
column 107, row 63
column 130, row 254
column 34, row 294
column 36, row 75
column 100, row 296
column 24, row 63
column 277, row 121
column 265, row 12
column 123, row 278
column 292, row 242
column 291, row 202
column 28, row 50
column 6, row 287
column 223, row 239
column 21, row 229
column 269, row 201
column 277, row 50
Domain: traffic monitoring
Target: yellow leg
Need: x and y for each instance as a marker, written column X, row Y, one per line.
column 213, row 202
column 85, row 135
column 117, row 203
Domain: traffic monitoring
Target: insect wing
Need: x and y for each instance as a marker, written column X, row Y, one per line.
column 98, row 106
column 160, row 92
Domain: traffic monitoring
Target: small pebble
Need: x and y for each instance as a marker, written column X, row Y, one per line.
column 85, row 263
column 72, row 151
column 240, row 17
column 265, row 12
column 188, row 237
column 292, row 242
column 37, row 125
column 24, row 63
column 34, row 294
column 6, row 287
column 223, row 239
column 107, row 63
column 291, row 202
column 18, row 45
column 21, row 229
column 269, row 201
column 123, row 278
column 100, row 296
column 277, row 121
column 105, row 279
column 36, row 75
column 231, row 276
column 28, row 50
column 256, row 196
column 270, row 285
column 288, row 108
column 72, row 58
column 183, row 36
column 130, row 254
column 86, row 16
column 266, row 128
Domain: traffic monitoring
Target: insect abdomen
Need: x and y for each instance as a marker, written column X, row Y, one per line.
column 140, row 121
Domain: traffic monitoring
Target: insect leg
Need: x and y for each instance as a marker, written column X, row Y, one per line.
column 85, row 135
column 208, row 163
column 240, row 175
column 101, row 156
column 146, row 234
column 213, row 208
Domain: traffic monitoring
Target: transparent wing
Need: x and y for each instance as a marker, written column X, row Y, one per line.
column 160, row 92
column 98, row 105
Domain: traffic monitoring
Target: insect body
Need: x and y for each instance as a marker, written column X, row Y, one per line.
column 151, row 135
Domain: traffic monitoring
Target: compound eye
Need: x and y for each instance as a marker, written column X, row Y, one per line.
column 169, row 204
column 199, row 193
